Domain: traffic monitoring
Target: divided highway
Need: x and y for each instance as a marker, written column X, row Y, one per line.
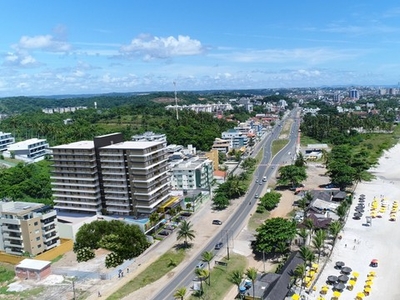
column 236, row 222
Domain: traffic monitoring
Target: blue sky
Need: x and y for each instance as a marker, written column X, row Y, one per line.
column 84, row 47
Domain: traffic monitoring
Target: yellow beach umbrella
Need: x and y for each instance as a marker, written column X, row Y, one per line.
column 295, row 297
column 372, row 273
column 336, row 294
column 315, row 266
column 320, row 298
column 355, row 274
column 360, row 295
column 367, row 290
column 352, row 282
column 369, row 282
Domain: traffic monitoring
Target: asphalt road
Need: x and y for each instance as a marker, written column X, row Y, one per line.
column 235, row 223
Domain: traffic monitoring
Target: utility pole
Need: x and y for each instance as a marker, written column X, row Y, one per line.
column 73, row 289
column 227, row 244
column 264, row 260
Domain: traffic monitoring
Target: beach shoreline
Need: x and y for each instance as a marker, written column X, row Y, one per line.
column 361, row 243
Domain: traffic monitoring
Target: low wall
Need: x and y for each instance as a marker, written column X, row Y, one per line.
column 65, row 246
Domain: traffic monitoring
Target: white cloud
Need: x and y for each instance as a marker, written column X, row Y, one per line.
column 20, row 59
column 43, row 42
column 149, row 47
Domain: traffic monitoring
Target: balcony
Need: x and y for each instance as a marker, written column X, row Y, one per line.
column 13, row 244
column 77, row 208
column 6, row 228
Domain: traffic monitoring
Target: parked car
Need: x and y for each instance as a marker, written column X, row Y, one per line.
column 218, row 246
column 186, row 214
column 217, row 222
column 164, row 233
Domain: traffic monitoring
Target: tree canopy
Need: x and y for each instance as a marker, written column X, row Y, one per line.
column 125, row 240
column 274, row 232
column 292, row 175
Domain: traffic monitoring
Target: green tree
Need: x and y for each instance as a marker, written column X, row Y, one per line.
column 185, row 232
column 207, row 257
column 236, row 278
column 341, row 210
column 220, row 201
column 84, row 254
column 251, row 273
column 334, row 228
column 180, row 293
column 300, row 160
column 319, row 241
column 309, row 223
column 303, row 233
column 202, row 275
column 273, row 232
column 292, row 175
column 127, row 241
column 270, row 200
column 307, row 255
column 299, row 272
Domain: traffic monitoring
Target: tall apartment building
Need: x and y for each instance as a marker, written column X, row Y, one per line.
column 195, row 173
column 27, row 227
column 75, row 178
column 135, row 177
column 122, row 178
column 5, row 140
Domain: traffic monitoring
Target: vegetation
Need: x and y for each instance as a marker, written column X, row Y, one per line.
column 151, row 274
column 180, row 293
column 269, row 201
column 220, row 283
column 185, row 232
column 27, row 182
column 123, row 240
column 292, row 175
column 274, row 232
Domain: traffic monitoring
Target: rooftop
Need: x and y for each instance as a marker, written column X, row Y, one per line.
column 33, row 264
column 133, row 145
column 76, row 145
column 18, row 207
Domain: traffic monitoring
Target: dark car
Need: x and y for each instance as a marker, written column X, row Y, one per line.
column 164, row 233
column 217, row 222
column 218, row 246
column 186, row 214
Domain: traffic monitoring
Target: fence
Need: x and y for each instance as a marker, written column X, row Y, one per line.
column 65, row 246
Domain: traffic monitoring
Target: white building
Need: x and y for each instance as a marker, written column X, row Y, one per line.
column 236, row 138
column 150, row 137
column 5, row 140
column 29, row 150
column 191, row 174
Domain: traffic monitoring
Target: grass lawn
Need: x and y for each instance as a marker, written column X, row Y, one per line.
column 278, row 145
column 155, row 271
column 57, row 258
column 257, row 219
column 305, row 140
column 220, row 284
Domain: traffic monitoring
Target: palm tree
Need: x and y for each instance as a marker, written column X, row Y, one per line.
column 207, row 257
column 202, row 274
column 334, row 228
column 236, row 278
column 299, row 273
column 303, row 233
column 185, row 232
column 341, row 211
column 281, row 248
column 180, row 293
column 252, row 274
column 319, row 241
column 306, row 254
column 154, row 217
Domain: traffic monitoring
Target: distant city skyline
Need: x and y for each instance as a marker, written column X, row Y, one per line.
column 92, row 47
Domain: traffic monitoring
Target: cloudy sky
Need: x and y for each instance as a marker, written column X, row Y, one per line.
column 84, row 47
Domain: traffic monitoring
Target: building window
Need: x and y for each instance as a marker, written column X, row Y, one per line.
column 37, row 231
column 35, row 224
column 39, row 246
column 38, row 238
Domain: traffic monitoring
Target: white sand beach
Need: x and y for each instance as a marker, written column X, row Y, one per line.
column 360, row 243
